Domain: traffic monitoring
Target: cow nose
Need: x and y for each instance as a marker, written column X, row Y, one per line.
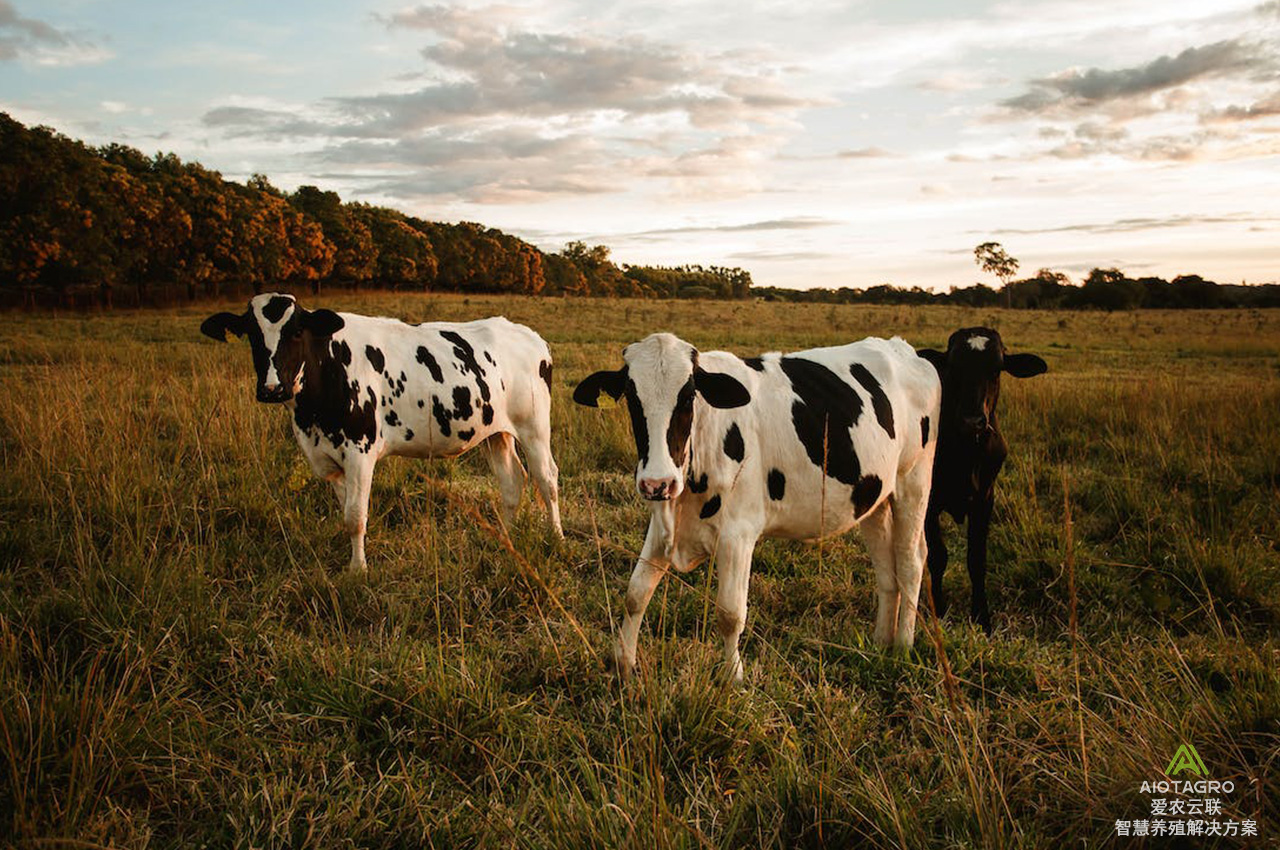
column 272, row 392
column 657, row 489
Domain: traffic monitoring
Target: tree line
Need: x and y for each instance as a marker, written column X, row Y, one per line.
column 111, row 225
column 83, row 225
column 1102, row 289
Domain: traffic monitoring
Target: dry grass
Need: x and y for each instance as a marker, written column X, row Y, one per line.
column 183, row 663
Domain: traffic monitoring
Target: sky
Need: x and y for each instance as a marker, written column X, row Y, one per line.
column 811, row 142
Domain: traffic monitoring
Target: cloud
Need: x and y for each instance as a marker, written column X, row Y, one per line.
column 1131, row 225
column 864, row 153
column 42, row 43
column 778, row 224
column 1076, row 91
column 592, row 113
column 1266, row 108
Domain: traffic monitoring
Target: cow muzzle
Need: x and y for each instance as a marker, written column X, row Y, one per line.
column 658, row 489
column 274, row 394
column 976, row 426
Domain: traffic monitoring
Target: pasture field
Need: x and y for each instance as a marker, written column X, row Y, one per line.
column 184, row 662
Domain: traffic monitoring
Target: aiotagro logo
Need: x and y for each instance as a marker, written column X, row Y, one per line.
column 1195, row 807
column 1186, row 758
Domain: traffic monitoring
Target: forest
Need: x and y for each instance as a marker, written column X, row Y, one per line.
column 111, row 226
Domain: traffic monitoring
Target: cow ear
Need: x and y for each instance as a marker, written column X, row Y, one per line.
column 587, row 393
column 217, row 326
column 1024, row 365
column 937, row 358
column 322, row 322
column 720, row 390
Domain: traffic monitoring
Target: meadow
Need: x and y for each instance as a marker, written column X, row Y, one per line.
column 184, row 662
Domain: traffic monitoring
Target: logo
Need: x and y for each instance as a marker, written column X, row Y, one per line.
column 1186, row 758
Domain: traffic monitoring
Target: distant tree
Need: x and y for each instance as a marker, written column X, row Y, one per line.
column 993, row 259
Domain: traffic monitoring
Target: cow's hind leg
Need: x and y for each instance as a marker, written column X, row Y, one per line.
column 937, row 560
column 910, row 505
column 543, row 470
column 358, row 481
column 501, row 450
column 733, row 568
column 877, row 530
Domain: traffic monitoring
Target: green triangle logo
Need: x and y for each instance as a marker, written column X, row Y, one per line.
column 1186, row 758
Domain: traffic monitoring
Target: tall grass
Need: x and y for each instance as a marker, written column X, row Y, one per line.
column 183, row 662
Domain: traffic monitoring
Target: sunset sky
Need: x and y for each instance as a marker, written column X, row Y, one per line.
column 813, row 143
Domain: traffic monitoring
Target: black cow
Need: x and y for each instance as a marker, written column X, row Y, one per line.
column 970, row 452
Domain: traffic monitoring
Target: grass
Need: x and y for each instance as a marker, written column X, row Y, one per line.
column 183, row 662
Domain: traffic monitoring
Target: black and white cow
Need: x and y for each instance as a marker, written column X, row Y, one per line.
column 971, row 451
column 799, row 446
column 361, row 387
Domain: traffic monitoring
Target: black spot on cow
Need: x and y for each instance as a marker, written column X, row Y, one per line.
column 332, row 402
column 879, row 401
column 924, row 431
column 421, row 403
column 391, row 418
column 467, row 363
column 274, row 311
column 341, row 352
column 441, row 413
column 826, row 409
column 466, row 435
column 544, row 371
column 777, row 485
column 733, row 446
column 427, row 359
column 681, row 423
column 376, row 359
column 408, row 434
column 467, row 359
column 489, row 357
column 697, row 485
column 710, row 508
column 638, row 429
column 865, row 493
column 462, row 403
column 756, row 363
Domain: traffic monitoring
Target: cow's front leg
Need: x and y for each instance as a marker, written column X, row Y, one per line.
column 649, row 570
column 358, row 482
column 733, row 568
column 976, row 559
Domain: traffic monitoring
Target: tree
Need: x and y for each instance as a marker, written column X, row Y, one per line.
column 992, row 258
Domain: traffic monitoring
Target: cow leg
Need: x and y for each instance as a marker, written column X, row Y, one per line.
column 338, row 482
column 937, row 558
column 733, row 567
column 910, row 507
column 877, row 530
column 358, row 482
column 976, row 558
column 545, row 473
column 649, row 570
column 501, row 450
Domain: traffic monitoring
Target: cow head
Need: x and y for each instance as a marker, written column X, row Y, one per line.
column 278, row 330
column 660, row 378
column 970, row 371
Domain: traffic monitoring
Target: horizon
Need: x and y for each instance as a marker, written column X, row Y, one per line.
column 872, row 143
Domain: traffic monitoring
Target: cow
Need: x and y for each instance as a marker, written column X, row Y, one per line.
column 362, row 387
column 971, row 451
column 799, row 446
